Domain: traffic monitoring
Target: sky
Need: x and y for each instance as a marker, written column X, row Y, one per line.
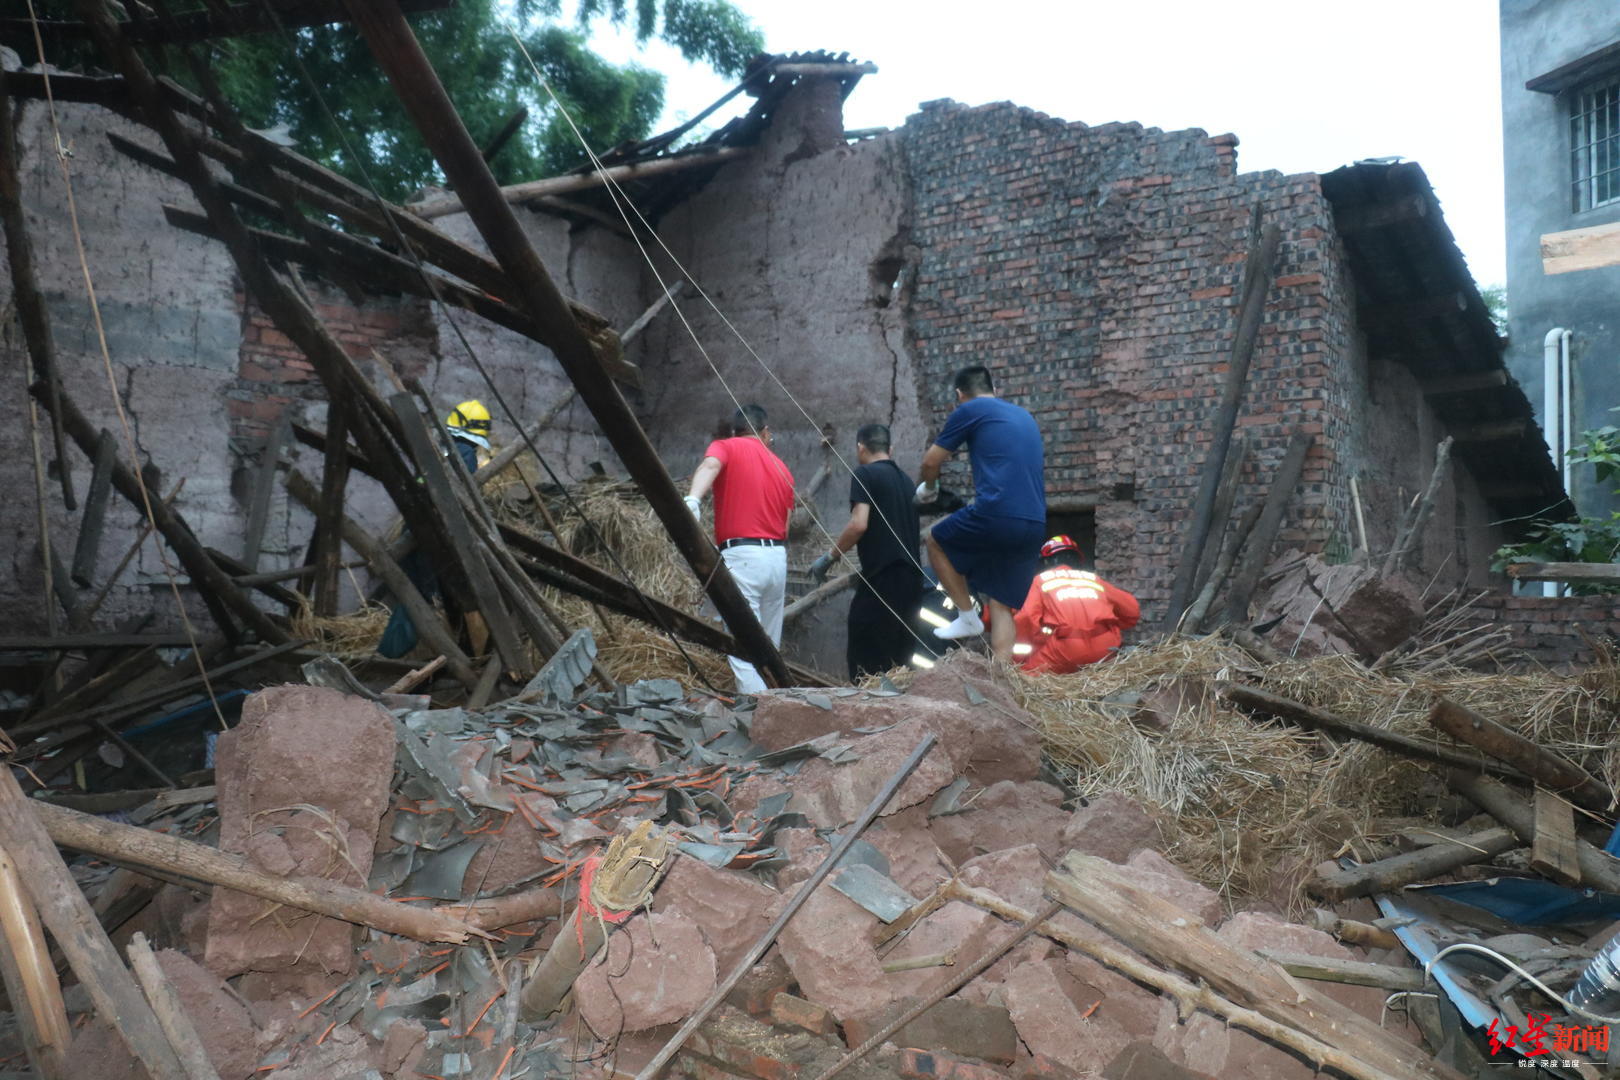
column 1306, row 85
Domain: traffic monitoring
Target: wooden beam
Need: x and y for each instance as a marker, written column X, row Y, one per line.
column 1466, row 383
column 422, row 94
column 1347, row 972
column 1548, row 769
column 1491, row 431
column 1564, row 571
column 328, row 543
column 1258, row 554
column 1334, row 882
column 840, row 71
column 264, row 479
column 1580, row 249
column 1400, row 312
column 1599, row 869
column 562, row 185
column 72, row 922
column 94, row 519
column 76, row 642
column 1554, row 854
column 1403, row 211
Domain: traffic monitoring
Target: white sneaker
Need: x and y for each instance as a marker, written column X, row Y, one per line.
column 966, row 624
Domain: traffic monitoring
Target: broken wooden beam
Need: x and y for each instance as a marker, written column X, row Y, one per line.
column 1281, row 493
column 140, row 848
column 1346, row 972
column 1334, row 882
column 1591, row 248
column 92, row 522
column 1599, row 869
column 1168, row 935
column 1263, row 701
column 421, row 93
column 1546, row 768
column 427, row 619
column 30, row 979
column 264, row 487
column 563, row 185
column 171, row 1014
column 71, row 921
column 1410, row 532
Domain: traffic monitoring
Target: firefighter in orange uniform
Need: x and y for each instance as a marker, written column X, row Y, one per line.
column 1071, row 617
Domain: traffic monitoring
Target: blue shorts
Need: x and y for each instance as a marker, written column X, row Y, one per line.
column 998, row 556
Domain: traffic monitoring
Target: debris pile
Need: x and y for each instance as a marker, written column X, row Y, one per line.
column 553, row 884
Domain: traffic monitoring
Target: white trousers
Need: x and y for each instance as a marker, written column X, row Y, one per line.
column 761, row 573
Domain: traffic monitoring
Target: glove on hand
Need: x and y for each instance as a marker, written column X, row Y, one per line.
column 819, row 568
column 695, row 506
column 927, row 492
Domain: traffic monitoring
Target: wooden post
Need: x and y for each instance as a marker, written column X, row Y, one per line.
column 1257, row 273
column 485, row 597
column 423, row 96
column 94, row 518
column 427, row 620
column 1231, row 549
column 30, row 979
column 329, row 542
column 1412, row 522
column 73, row 924
column 1545, row 767
column 171, row 1014
column 264, row 488
column 1220, row 516
column 1265, row 532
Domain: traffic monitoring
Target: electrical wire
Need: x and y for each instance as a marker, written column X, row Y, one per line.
column 1468, row 946
column 125, row 427
column 433, row 287
column 620, row 201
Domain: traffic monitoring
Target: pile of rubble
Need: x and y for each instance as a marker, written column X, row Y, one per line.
column 1045, row 939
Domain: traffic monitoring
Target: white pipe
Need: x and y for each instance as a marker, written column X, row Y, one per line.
column 1566, row 428
column 1555, row 411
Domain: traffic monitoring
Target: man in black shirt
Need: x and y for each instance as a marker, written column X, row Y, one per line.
column 883, row 527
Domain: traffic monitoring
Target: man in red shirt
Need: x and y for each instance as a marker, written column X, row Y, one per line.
column 753, row 496
column 1071, row 617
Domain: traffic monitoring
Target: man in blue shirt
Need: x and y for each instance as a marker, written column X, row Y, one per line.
column 991, row 546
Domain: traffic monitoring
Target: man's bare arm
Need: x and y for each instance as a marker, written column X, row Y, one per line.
column 937, row 455
column 859, row 517
column 703, row 479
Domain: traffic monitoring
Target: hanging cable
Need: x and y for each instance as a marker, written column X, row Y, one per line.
column 620, row 201
column 125, row 427
column 430, row 279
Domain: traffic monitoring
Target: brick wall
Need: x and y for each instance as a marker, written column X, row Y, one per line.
column 1096, row 271
column 1558, row 631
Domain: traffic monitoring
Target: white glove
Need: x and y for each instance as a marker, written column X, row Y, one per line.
column 928, row 491
column 695, row 505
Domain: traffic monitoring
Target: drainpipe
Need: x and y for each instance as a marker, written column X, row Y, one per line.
column 1556, row 411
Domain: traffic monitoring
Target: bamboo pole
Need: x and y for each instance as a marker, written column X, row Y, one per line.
column 30, row 978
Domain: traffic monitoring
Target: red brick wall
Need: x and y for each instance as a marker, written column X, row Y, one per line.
column 272, row 374
column 1095, row 270
column 1558, row 631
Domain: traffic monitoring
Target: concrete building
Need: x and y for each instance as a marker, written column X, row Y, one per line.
column 1096, row 269
column 1561, row 149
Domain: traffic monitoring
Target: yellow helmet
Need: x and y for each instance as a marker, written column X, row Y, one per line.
column 470, row 421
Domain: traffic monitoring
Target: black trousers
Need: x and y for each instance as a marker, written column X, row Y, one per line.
column 880, row 619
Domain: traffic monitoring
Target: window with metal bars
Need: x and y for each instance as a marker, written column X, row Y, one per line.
column 1594, row 141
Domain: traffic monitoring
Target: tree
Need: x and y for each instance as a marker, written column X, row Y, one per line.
column 1495, row 297
column 264, row 76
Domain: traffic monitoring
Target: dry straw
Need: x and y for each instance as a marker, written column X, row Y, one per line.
column 1249, row 805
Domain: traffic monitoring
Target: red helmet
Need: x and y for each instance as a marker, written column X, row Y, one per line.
column 1058, row 545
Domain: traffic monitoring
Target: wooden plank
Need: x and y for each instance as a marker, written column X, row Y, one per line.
column 264, row 488
column 1347, row 972
column 1490, row 431
column 485, row 598
column 1591, row 248
column 1171, row 936
column 72, row 922
column 1599, row 869
column 94, row 519
column 1548, row 769
column 1554, row 853
column 1564, row 571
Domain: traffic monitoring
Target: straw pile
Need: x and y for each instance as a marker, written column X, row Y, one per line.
column 1249, row 806
column 351, row 638
column 602, row 517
